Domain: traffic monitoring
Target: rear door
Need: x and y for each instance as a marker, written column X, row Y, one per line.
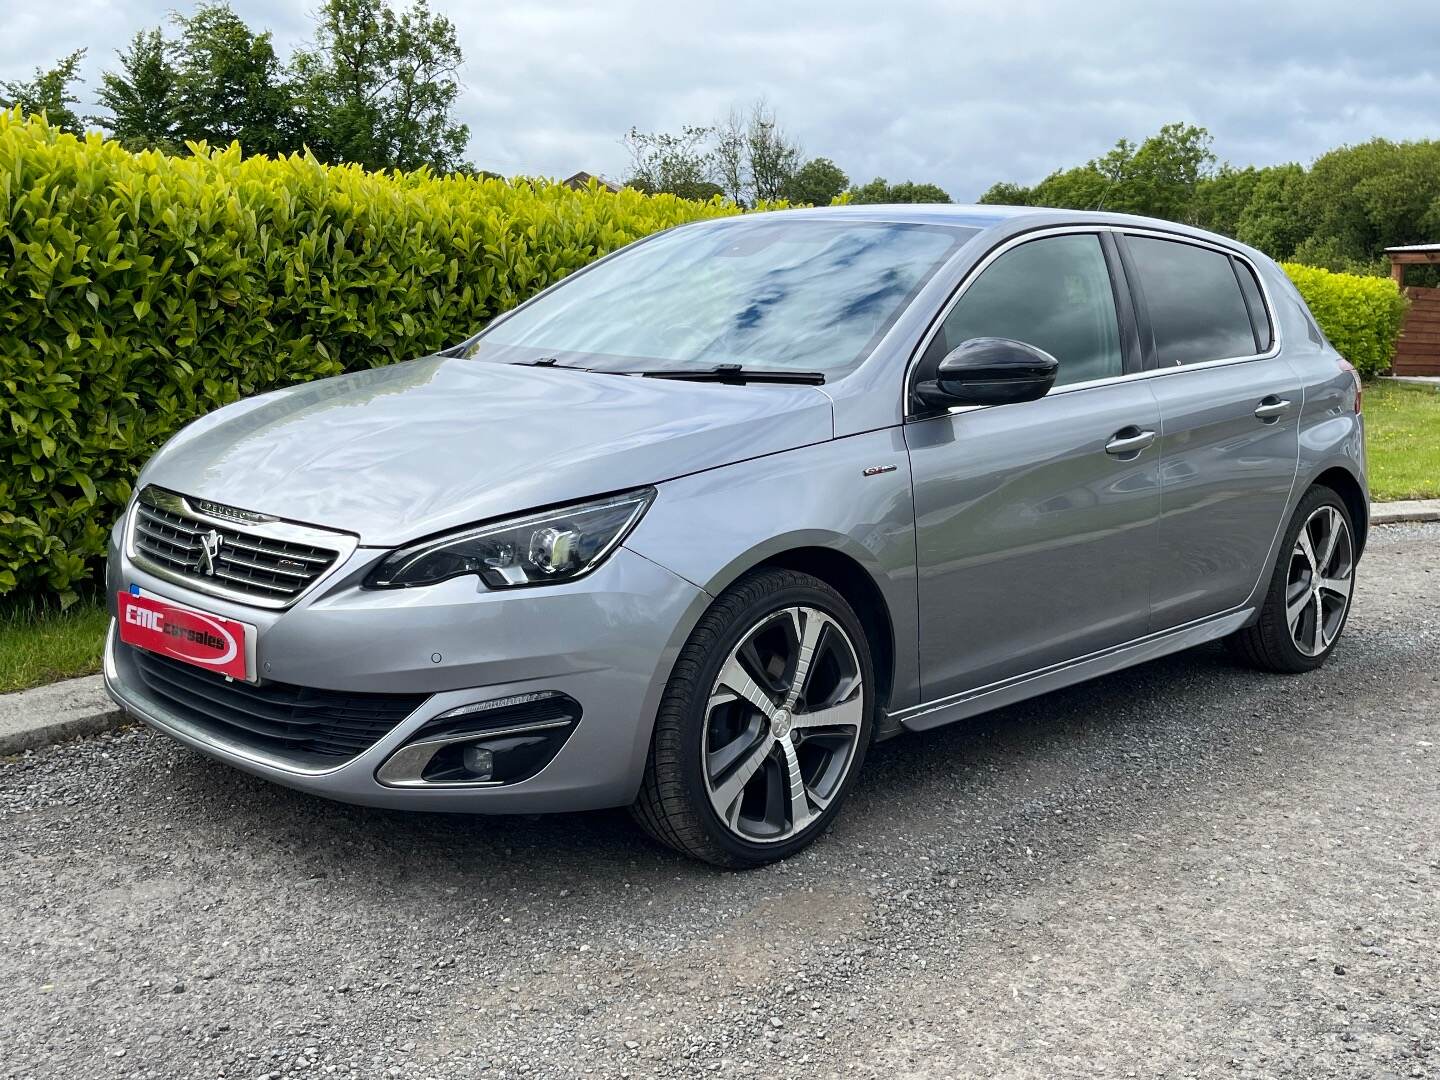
column 1229, row 415
column 1035, row 521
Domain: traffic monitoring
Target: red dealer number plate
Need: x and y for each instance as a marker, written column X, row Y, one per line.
column 207, row 641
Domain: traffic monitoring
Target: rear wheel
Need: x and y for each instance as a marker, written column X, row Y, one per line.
column 764, row 723
column 1308, row 601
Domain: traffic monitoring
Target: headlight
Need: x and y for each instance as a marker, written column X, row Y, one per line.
column 553, row 545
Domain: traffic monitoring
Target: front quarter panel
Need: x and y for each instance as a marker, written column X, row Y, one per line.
column 712, row 527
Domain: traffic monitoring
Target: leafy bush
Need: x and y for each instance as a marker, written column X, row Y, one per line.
column 139, row 291
column 1361, row 316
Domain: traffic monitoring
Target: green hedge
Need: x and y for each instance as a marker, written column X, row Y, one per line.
column 1361, row 316
column 139, row 291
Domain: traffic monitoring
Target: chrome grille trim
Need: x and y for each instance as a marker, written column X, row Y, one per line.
column 265, row 563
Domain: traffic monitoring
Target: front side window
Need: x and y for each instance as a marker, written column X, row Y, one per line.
column 795, row 294
column 1197, row 311
column 1053, row 293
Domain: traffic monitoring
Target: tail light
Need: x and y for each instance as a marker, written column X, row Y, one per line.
column 1346, row 366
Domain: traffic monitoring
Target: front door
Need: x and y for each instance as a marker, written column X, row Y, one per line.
column 1035, row 522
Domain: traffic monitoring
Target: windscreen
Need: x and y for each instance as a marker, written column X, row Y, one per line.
column 795, row 295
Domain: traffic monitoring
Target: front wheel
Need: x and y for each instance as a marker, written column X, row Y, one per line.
column 1308, row 601
column 764, row 723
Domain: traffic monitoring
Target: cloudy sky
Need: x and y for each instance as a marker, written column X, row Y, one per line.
column 962, row 94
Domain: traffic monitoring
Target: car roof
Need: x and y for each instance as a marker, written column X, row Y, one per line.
column 972, row 216
column 985, row 218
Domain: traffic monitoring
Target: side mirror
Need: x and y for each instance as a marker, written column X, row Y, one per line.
column 990, row 371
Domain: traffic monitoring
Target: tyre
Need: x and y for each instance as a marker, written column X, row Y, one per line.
column 764, row 723
column 1308, row 600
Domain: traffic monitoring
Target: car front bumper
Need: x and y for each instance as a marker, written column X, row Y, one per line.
column 607, row 640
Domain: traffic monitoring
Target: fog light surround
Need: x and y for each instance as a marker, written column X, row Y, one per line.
column 484, row 744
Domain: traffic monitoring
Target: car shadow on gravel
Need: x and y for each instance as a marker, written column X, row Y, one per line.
column 936, row 784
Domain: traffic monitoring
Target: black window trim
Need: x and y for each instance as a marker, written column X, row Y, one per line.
column 1245, row 302
column 1259, row 320
column 1132, row 355
column 912, row 410
column 1148, row 354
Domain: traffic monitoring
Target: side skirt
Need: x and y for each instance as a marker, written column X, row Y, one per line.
column 931, row 714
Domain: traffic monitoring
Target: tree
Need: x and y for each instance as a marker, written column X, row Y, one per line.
column 49, row 93
column 1157, row 177
column 379, row 86
column 231, row 87
column 730, row 162
column 1341, row 213
column 1160, row 176
column 1376, row 195
column 747, row 159
column 1272, row 219
column 1082, row 188
column 1221, row 199
column 909, row 191
column 816, row 183
column 773, row 158
column 676, row 164
column 880, row 190
column 141, row 96
column 1007, row 194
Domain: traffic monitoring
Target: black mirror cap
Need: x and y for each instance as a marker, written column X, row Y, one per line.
column 990, row 371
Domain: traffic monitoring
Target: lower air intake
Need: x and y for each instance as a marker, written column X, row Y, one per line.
column 307, row 726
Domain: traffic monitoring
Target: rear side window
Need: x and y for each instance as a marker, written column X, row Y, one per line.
column 1197, row 311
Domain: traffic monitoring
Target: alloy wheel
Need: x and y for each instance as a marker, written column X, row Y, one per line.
column 1322, row 573
column 782, row 724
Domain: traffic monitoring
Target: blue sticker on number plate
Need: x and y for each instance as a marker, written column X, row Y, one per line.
column 134, row 590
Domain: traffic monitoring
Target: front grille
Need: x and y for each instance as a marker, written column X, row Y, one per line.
column 245, row 563
column 307, row 726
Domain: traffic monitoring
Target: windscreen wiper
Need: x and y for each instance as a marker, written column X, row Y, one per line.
column 552, row 362
column 738, row 375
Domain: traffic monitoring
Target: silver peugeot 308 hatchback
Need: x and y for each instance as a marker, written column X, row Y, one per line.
column 694, row 527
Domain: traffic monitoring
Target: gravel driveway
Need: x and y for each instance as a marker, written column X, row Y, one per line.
column 1182, row 870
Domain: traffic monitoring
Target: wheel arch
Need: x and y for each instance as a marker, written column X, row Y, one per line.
column 851, row 580
column 1345, row 484
column 877, row 598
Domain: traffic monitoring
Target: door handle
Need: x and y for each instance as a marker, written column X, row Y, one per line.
column 1272, row 408
column 1129, row 440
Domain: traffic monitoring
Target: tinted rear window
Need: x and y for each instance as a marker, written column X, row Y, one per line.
column 1196, row 310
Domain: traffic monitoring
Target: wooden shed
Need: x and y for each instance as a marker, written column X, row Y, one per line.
column 1419, row 349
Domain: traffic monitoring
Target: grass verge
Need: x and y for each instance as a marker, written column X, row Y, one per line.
column 1402, row 440
column 39, row 645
